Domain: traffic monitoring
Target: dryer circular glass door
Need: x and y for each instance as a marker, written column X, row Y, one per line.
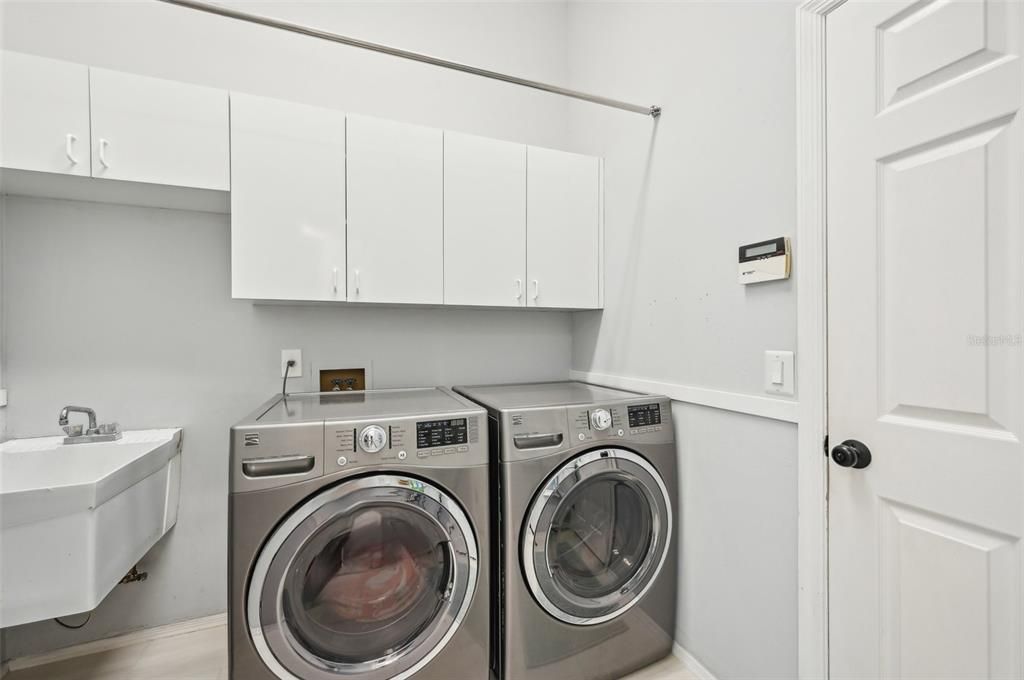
column 596, row 536
column 370, row 578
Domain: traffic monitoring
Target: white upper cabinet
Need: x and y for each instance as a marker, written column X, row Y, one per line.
column 395, row 212
column 287, row 200
column 563, row 229
column 158, row 131
column 484, row 221
column 44, row 114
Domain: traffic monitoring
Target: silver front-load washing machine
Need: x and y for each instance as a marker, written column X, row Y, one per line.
column 359, row 538
column 588, row 495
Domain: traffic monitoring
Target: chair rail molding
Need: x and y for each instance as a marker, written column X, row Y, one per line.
column 749, row 404
column 812, row 466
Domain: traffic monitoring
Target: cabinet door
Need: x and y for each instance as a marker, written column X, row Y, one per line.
column 563, row 229
column 484, row 221
column 158, row 131
column 395, row 229
column 44, row 114
column 287, row 200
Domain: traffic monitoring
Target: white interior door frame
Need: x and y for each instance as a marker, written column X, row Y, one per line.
column 812, row 329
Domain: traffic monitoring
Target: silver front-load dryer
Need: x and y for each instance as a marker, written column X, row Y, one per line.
column 587, row 556
column 359, row 538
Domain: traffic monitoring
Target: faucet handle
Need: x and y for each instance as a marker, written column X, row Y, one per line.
column 108, row 428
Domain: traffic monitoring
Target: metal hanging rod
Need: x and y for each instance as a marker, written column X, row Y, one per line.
column 653, row 111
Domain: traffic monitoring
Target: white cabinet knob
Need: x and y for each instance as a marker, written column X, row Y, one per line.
column 519, row 289
column 536, row 289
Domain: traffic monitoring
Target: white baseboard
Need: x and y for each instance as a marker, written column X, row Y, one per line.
column 118, row 641
column 695, row 667
column 751, row 404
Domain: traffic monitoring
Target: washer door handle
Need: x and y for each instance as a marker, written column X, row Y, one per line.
column 278, row 465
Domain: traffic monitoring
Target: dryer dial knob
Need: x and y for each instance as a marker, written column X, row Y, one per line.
column 600, row 419
column 373, row 438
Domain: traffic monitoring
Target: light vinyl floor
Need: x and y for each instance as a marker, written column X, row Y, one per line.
column 202, row 655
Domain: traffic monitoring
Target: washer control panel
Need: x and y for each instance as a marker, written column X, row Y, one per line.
column 433, row 441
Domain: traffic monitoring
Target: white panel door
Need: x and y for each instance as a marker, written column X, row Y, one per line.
column 158, row 131
column 562, row 229
column 926, row 362
column 395, row 205
column 484, row 221
column 44, row 114
column 287, row 200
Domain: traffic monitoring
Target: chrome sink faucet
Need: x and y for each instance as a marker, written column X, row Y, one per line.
column 63, row 419
column 107, row 432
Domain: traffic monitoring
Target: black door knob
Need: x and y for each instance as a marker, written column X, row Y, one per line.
column 851, row 454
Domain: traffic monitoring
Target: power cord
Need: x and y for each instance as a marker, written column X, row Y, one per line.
column 284, row 382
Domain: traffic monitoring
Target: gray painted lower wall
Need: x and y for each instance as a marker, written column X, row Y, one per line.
column 738, row 582
column 128, row 310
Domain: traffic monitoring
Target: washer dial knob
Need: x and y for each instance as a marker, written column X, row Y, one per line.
column 600, row 419
column 373, row 438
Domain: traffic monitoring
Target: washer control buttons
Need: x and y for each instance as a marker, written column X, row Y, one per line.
column 581, row 436
column 600, row 419
column 373, row 438
column 342, row 461
column 402, row 455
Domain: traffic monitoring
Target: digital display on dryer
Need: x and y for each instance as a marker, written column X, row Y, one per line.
column 644, row 415
column 432, row 433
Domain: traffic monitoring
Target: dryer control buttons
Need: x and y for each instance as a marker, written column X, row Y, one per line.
column 600, row 419
column 373, row 438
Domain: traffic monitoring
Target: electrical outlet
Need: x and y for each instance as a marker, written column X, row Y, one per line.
column 296, row 370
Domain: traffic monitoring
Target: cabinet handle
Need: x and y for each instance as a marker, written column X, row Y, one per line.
column 355, row 277
column 334, row 279
column 519, row 289
column 536, row 289
column 69, row 148
column 103, row 153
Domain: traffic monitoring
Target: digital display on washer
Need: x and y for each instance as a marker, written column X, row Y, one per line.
column 644, row 415
column 431, row 433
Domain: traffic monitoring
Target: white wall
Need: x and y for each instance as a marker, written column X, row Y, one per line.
column 152, row 38
column 681, row 194
column 128, row 310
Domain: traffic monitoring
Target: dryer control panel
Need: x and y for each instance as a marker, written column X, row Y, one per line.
column 540, row 431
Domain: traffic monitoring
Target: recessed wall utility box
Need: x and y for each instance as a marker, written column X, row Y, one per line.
column 764, row 261
column 342, row 379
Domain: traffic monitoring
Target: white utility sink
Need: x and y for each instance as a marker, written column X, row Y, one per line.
column 75, row 518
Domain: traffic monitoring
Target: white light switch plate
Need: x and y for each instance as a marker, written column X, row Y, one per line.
column 778, row 372
column 296, row 370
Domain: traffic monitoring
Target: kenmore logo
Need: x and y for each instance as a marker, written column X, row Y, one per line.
column 252, row 439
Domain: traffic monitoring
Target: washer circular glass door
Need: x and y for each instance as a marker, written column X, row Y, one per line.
column 371, row 577
column 596, row 536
